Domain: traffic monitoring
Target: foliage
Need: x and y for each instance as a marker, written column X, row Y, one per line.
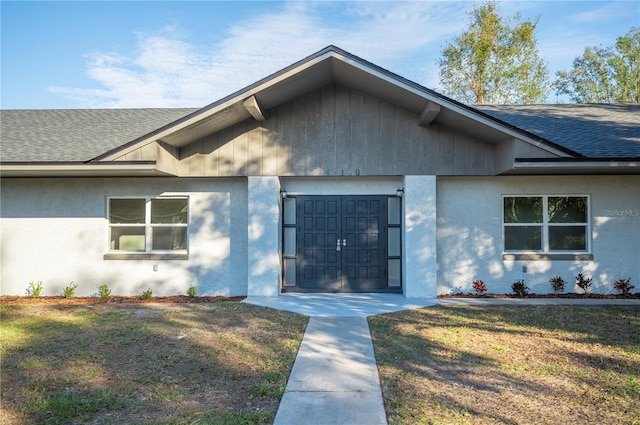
column 146, row 294
column 494, row 62
column 35, row 289
column 604, row 74
column 519, row 288
column 104, row 291
column 624, row 286
column 583, row 283
column 479, row 287
column 70, row 291
column 557, row 283
column 191, row 292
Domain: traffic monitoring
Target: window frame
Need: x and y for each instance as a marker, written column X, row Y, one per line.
column 545, row 226
column 149, row 227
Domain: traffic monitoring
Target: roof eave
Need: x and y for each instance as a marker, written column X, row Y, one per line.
column 80, row 169
column 586, row 166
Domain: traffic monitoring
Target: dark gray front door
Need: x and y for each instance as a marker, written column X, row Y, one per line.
column 341, row 244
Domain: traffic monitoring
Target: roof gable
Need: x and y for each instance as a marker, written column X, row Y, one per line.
column 334, row 66
column 143, row 137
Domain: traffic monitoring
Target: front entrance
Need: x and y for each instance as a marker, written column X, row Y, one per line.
column 341, row 244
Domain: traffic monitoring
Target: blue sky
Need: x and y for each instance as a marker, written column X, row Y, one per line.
column 128, row 54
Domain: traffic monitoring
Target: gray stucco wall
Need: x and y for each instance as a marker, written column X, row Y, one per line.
column 470, row 243
column 56, row 231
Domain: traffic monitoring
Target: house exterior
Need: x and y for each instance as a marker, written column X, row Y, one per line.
column 332, row 175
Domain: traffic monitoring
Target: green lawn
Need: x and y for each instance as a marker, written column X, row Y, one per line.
column 222, row 363
column 228, row 363
column 510, row 365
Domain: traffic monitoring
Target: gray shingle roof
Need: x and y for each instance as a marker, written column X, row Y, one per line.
column 75, row 134
column 594, row 131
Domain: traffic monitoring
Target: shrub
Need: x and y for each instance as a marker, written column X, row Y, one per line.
column 624, row 286
column 557, row 283
column 519, row 288
column 191, row 292
column 104, row 291
column 70, row 291
column 583, row 283
column 146, row 294
column 35, row 289
column 479, row 287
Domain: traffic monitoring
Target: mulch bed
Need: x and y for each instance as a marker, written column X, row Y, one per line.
column 181, row 299
column 568, row 295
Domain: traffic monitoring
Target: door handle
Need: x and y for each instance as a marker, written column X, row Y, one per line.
column 344, row 242
column 338, row 245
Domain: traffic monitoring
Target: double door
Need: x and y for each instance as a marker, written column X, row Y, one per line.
column 340, row 244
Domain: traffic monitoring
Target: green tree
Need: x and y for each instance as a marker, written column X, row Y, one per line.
column 494, row 61
column 604, row 75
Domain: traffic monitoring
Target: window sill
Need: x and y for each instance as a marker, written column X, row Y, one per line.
column 145, row 256
column 547, row 257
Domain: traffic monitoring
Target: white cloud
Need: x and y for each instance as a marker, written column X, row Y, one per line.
column 167, row 70
column 608, row 12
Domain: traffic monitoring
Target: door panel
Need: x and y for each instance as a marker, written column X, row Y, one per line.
column 342, row 243
column 363, row 218
column 319, row 262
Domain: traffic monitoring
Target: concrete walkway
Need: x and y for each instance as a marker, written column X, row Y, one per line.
column 344, row 305
column 334, row 379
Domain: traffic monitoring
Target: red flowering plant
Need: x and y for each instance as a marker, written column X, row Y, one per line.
column 479, row 287
column 624, row 286
column 557, row 283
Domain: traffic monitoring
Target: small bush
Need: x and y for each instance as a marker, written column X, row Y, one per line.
column 624, row 286
column 70, row 291
column 583, row 283
column 146, row 294
column 35, row 289
column 191, row 292
column 557, row 283
column 104, row 291
column 479, row 287
column 519, row 288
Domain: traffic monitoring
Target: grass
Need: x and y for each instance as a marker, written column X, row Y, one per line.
column 228, row 363
column 510, row 365
column 222, row 363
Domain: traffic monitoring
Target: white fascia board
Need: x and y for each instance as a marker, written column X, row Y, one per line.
column 71, row 170
column 579, row 167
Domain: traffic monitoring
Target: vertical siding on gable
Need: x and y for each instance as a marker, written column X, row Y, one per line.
column 325, row 131
column 297, row 134
column 386, row 136
column 226, row 166
column 342, row 132
column 337, row 131
column 210, row 149
column 254, row 151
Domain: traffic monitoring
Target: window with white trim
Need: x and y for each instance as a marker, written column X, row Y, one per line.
column 148, row 225
column 546, row 224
